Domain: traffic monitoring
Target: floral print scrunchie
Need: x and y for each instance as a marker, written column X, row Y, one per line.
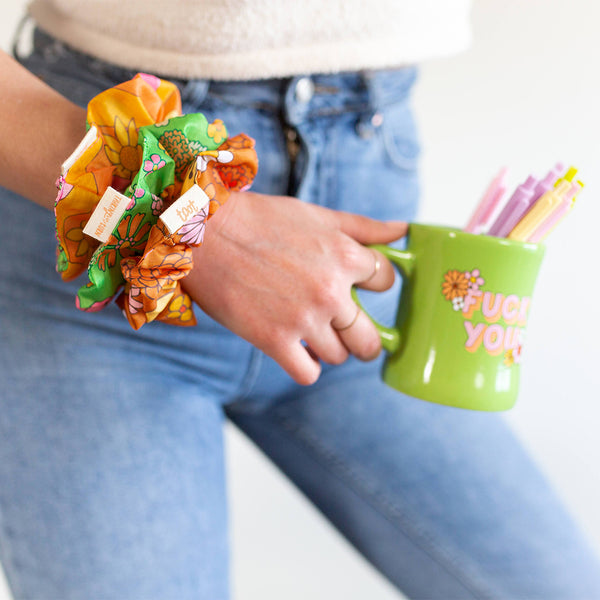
column 139, row 144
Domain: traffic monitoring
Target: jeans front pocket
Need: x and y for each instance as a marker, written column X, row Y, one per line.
column 400, row 138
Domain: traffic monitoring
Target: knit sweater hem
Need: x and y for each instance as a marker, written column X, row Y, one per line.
column 422, row 43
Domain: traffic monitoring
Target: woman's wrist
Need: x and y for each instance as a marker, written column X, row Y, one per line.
column 38, row 129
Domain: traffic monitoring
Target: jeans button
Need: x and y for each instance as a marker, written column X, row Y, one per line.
column 377, row 120
column 305, row 89
column 365, row 127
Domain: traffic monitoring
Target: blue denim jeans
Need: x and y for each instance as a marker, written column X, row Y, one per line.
column 111, row 441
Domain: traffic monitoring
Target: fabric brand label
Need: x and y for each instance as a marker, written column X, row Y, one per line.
column 184, row 208
column 106, row 215
column 84, row 144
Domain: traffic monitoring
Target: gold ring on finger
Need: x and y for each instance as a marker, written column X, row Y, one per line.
column 375, row 268
column 349, row 324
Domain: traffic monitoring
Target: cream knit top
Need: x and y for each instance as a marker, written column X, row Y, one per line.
column 251, row 39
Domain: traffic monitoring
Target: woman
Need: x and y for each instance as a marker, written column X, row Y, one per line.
column 111, row 463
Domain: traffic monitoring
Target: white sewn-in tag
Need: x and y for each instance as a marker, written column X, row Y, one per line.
column 106, row 215
column 184, row 208
column 84, row 144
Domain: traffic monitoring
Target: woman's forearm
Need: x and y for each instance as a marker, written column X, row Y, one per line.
column 39, row 128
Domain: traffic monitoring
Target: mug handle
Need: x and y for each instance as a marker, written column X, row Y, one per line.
column 405, row 261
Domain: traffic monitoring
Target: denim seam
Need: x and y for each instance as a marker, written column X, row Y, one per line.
column 390, row 510
column 249, row 379
column 298, row 179
column 329, row 174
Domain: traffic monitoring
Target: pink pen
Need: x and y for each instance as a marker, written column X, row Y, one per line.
column 488, row 203
column 515, row 208
column 556, row 216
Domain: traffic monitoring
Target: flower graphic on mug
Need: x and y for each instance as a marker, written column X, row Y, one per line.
column 492, row 321
column 458, row 303
column 517, row 352
column 455, row 284
column 513, row 356
column 474, row 280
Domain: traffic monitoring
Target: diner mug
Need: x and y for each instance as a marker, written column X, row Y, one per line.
column 461, row 318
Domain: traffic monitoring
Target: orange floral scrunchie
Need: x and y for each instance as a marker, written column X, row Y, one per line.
column 141, row 162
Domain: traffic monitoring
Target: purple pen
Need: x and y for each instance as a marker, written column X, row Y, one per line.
column 547, row 183
column 515, row 208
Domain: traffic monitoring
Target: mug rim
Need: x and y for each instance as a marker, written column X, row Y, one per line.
column 455, row 233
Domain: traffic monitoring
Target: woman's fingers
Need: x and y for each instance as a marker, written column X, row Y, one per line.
column 359, row 336
column 327, row 346
column 353, row 331
column 298, row 362
column 332, row 346
column 381, row 276
column 370, row 231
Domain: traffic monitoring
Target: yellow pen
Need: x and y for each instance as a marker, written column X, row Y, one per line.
column 568, row 176
column 539, row 212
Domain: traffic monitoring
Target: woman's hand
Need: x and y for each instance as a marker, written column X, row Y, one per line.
column 277, row 271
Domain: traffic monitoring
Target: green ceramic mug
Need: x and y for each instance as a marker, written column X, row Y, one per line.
column 461, row 317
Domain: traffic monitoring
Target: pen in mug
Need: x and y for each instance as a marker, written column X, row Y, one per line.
column 514, row 209
column 556, row 216
column 546, row 184
column 541, row 210
column 488, row 203
column 568, row 176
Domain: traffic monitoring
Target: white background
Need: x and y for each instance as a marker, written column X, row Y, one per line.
column 525, row 95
